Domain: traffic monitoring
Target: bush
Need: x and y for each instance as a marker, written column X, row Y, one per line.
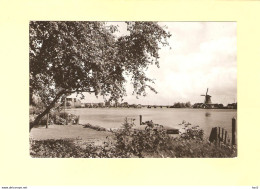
column 95, row 127
column 131, row 142
column 55, row 148
column 127, row 142
column 191, row 132
column 35, row 110
column 62, row 117
column 68, row 148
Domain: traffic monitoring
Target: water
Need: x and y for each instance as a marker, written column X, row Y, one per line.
column 114, row 117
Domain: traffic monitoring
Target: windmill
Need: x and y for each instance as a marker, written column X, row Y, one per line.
column 207, row 100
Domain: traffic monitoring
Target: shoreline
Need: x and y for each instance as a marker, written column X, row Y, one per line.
column 70, row 132
column 85, row 132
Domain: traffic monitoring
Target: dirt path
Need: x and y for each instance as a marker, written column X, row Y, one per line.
column 71, row 132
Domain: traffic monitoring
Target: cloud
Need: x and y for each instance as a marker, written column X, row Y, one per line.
column 202, row 55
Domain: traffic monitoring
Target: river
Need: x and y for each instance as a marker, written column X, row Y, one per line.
column 172, row 117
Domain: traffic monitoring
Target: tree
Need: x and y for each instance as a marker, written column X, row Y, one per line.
column 187, row 104
column 76, row 57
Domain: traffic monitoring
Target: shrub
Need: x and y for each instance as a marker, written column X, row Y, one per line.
column 95, row 127
column 68, row 148
column 131, row 142
column 35, row 110
column 54, row 148
column 153, row 141
column 191, row 132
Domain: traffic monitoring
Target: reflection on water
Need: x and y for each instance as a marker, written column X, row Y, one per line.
column 114, row 117
column 207, row 114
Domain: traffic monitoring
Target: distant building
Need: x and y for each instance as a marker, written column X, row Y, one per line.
column 108, row 104
column 82, row 105
column 73, row 103
column 88, row 105
column 117, row 104
column 209, row 106
column 133, row 106
column 220, row 105
column 232, row 106
column 197, row 105
column 95, row 105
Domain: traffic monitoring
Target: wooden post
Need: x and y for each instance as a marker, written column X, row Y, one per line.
column 218, row 135
column 78, row 120
column 140, row 119
column 225, row 140
column 213, row 135
column 47, row 120
column 222, row 137
column 234, row 131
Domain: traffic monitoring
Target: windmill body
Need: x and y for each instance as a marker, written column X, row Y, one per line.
column 207, row 100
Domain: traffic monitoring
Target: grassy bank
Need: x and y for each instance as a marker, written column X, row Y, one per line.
column 80, row 142
column 71, row 132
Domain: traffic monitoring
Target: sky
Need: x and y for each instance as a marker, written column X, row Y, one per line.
column 202, row 55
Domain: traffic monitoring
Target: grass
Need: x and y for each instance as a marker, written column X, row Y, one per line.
column 69, row 132
column 153, row 142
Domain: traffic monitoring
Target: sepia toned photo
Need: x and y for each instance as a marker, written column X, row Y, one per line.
column 132, row 89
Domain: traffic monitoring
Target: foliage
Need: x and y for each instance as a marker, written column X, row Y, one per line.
column 95, row 127
column 62, row 118
column 35, row 110
column 182, row 148
column 63, row 148
column 55, row 117
column 132, row 142
column 128, row 142
column 181, row 105
column 191, row 132
column 75, row 57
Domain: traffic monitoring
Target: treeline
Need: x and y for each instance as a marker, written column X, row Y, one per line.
column 181, row 105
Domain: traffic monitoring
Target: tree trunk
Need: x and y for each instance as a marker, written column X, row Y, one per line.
column 47, row 122
column 46, row 111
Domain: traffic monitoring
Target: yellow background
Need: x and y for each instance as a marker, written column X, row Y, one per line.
column 18, row 168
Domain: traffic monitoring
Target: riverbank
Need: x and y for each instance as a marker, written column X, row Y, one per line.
column 70, row 132
column 66, row 141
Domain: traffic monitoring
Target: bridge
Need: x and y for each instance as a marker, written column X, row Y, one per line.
column 155, row 106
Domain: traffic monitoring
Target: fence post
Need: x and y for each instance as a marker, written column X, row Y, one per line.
column 222, row 136
column 78, row 120
column 213, row 135
column 234, row 131
column 218, row 136
column 141, row 119
column 225, row 140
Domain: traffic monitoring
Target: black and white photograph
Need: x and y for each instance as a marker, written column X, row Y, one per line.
column 133, row 89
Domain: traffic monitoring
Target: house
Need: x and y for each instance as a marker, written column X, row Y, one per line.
column 197, row 105
column 73, row 103
column 82, row 105
column 88, row 105
column 232, row 106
